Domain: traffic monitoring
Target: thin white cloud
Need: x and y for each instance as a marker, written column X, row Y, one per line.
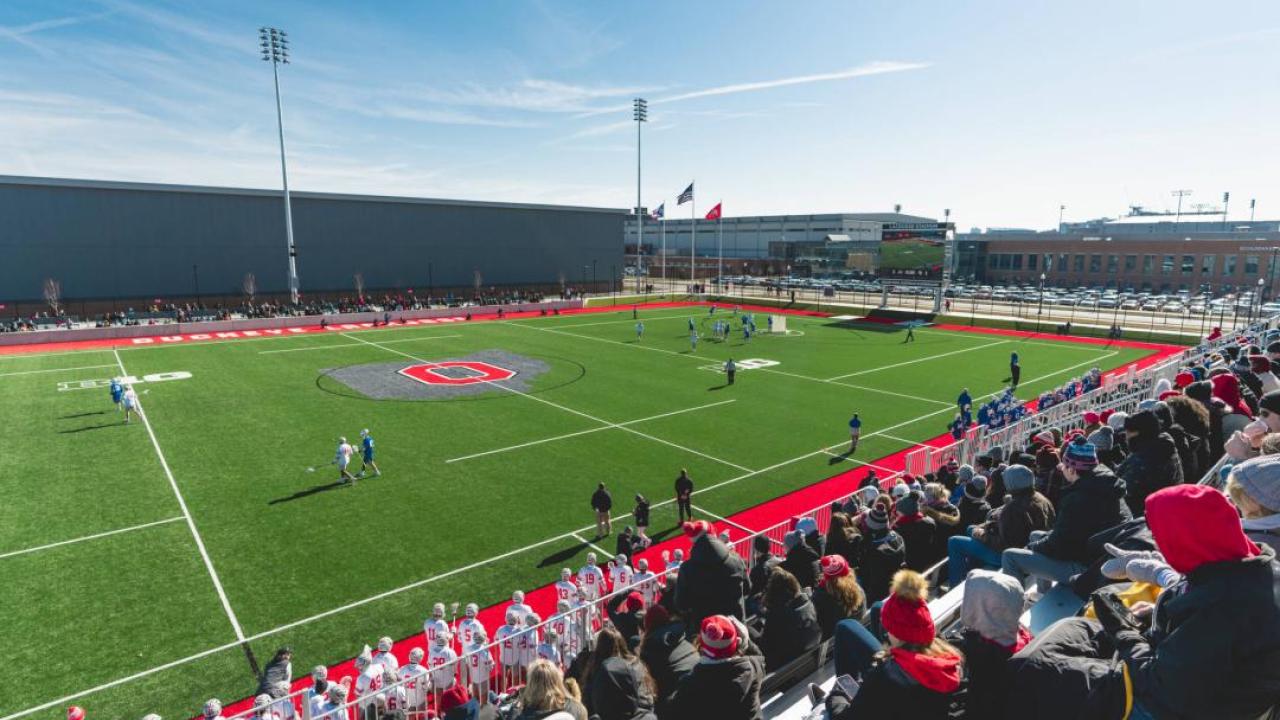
column 872, row 68
column 21, row 33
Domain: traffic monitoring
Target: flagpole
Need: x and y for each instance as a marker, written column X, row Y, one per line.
column 720, row 246
column 664, row 252
column 693, row 238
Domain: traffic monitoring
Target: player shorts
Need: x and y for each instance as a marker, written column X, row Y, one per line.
column 368, row 456
column 342, row 463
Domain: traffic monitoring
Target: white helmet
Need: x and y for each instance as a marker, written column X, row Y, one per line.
column 342, row 440
column 517, row 597
column 513, row 617
column 337, row 693
column 643, row 565
column 364, row 659
column 563, row 606
column 262, row 701
column 151, row 716
column 364, row 432
column 532, row 620
column 416, row 655
column 591, row 558
column 679, row 555
column 566, row 574
column 472, row 610
column 481, row 637
column 384, row 644
column 319, row 672
column 552, row 635
column 437, row 611
column 212, row 708
column 621, row 559
column 443, row 638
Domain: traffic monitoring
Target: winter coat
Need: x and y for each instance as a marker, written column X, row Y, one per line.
column 995, row 486
column 919, row 533
column 802, row 561
column 627, row 623
column 880, row 559
column 722, row 690
column 571, row 706
column 789, row 631
column 845, row 546
column 1152, row 464
column 760, row 571
column 1093, row 503
column 1011, row 524
column 618, row 691
column 1263, row 532
column 987, row 665
column 830, row 611
column 1186, row 454
column 890, row 692
column 1215, row 648
column 669, row 657
column 713, row 581
column 972, row 512
column 946, row 522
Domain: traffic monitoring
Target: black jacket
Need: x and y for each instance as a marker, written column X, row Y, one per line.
column 1182, row 441
column 972, row 512
column 601, row 501
column 1091, row 504
column 627, row 623
column 987, row 665
column 760, row 571
column 1214, row 650
column 1152, row 464
column 880, row 560
column 669, row 657
column 789, row 631
column 802, row 561
column 1010, row 525
column 713, row 581
column 831, row 611
column 728, row 690
column 889, row 693
column 920, row 539
column 618, row 691
column 845, row 547
column 641, row 514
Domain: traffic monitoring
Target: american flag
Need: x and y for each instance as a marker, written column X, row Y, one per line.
column 686, row 196
column 657, row 214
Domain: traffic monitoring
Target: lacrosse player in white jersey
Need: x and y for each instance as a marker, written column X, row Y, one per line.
column 676, row 560
column 413, row 676
column 368, row 684
column 621, row 572
column 565, row 625
column 549, row 649
column 264, row 708
column 384, row 657
column 646, row 583
column 443, row 662
column 468, row 626
column 529, row 640
column 565, row 589
column 332, row 706
column 518, row 606
column 435, row 625
column 320, row 686
column 585, row 613
column 478, row 666
column 508, row 651
column 591, row 578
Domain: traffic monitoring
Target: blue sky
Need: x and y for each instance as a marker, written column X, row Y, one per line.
column 1000, row 111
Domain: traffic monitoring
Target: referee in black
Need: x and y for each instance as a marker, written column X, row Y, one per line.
column 730, row 369
column 684, row 495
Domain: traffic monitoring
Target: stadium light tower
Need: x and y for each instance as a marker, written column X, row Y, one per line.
column 274, row 44
column 1178, row 217
column 641, row 117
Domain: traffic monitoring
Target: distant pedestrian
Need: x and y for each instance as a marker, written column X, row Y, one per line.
column 684, row 495
column 1015, row 370
column 693, row 341
column 855, row 432
column 641, row 515
column 639, row 331
column 730, row 370
column 602, row 503
column 911, row 334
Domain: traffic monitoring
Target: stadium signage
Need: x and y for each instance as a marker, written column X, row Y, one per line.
column 279, row 332
column 457, row 372
column 126, row 380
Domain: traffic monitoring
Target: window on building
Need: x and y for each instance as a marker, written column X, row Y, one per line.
column 1095, row 263
column 1048, row 262
column 1166, row 267
column 1251, row 265
column 1031, row 261
column 1206, row 264
column 1062, row 262
column 1229, row 265
column 1079, row 263
column 1112, row 261
column 992, row 260
column 1017, row 261
column 1148, row 264
column 1130, row 263
column 1188, row 264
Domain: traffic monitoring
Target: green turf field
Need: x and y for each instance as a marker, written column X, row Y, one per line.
column 459, row 515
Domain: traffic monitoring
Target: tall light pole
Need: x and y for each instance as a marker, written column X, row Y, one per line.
column 1179, row 194
column 1226, row 199
column 1061, row 209
column 1040, row 309
column 275, row 50
column 641, row 108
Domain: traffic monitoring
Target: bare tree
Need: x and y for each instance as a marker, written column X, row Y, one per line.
column 53, row 295
column 358, row 279
column 250, row 286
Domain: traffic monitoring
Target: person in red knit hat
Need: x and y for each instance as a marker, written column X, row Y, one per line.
column 725, row 684
column 917, row 677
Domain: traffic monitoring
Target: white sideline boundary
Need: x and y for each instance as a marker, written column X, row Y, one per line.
column 95, row 536
column 428, row 580
column 864, row 463
column 191, row 523
column 917, row 360
column 608, row 555
column 53, row 370
column 724, row 520
column 588, row 431
column 575, row 412
column 356, row 344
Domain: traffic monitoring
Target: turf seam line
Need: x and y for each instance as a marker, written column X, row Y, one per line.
column 50, row 370
column 95, row 536
column 586, row 432
column 191, row 524
column 590, row 543
column 917, row 360
column 575, row 412
column 356, row 344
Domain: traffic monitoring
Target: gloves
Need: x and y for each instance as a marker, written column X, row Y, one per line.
column 1238, row 447
column 1154, row 571
column 1114, row 616
column 1117, row 567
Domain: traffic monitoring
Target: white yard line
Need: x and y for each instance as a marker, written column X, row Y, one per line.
column 434, row 578
column 571, row 410
column 608, row 555
column 95, row 536
column 191, row 523
column 586, row 432
column 52, row 370
column 895, row 437
column 723, row 519
column 617, row 322
column 356, row 344
column 864, row 463
column 882, row 391
column 918, row 360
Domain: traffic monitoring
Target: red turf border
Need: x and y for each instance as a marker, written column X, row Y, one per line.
column 758, row 517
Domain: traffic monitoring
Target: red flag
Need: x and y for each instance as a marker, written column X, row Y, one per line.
column 714, row 214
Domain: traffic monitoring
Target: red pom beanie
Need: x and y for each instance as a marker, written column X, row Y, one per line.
column 833, row 566
column 718, row 638
column 1183, row 379
column 905, row 614
column 453, row 697
column 694, row 528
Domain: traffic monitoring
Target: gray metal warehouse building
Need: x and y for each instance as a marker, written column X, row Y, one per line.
column 120, row 240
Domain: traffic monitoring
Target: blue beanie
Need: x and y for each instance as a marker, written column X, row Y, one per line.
column 1080, row 455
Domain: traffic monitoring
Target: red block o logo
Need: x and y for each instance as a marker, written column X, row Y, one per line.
column 472, row 372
